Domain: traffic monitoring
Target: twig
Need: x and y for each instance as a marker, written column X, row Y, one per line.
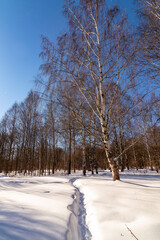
column 131, row 232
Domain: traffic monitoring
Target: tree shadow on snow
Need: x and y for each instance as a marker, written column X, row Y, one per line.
column 138, row 184
column 17, row 226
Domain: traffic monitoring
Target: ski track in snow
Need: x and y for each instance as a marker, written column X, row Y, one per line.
column 42, row 208
column 77, row 228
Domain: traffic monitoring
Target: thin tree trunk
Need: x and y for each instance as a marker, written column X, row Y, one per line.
column 74, row 151
column 121, row 146
column 83, row 157
column 83, row 152
column 134, row 153
column 70, row 150
column 147, row 147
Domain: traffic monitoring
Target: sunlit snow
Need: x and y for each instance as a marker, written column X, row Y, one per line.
column 41, row 208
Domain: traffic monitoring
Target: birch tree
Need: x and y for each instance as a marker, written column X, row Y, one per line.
column 91, row 56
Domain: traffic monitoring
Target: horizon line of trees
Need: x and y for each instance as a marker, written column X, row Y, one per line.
column 37, row 139
column 97, row 104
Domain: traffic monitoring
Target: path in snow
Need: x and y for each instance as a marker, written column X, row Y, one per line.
column 41, row 208
column 77, row 228
column 115, row 208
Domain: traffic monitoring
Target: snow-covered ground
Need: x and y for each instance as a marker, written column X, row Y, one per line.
column 34, row 208
column 126, row 209
column 44, row 208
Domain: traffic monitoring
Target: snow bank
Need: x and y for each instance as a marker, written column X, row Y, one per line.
column 117, row 210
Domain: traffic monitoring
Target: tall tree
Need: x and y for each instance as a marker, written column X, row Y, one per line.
column 91, row 56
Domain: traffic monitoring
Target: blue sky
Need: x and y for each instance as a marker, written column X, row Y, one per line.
column 22, row 22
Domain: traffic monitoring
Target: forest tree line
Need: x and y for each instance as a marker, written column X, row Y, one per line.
column 96, row 103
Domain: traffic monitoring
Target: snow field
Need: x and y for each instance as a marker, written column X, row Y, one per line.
column 34, row 208
column 117, row 210
column 93, row 208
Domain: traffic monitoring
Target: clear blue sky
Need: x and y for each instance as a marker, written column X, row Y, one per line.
column 22, row 22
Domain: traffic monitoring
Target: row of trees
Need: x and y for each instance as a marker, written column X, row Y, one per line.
column 38, row 138
column 97, row 108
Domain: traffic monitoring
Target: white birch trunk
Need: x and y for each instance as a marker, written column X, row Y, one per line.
column 102, row 109
column 112, row 163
